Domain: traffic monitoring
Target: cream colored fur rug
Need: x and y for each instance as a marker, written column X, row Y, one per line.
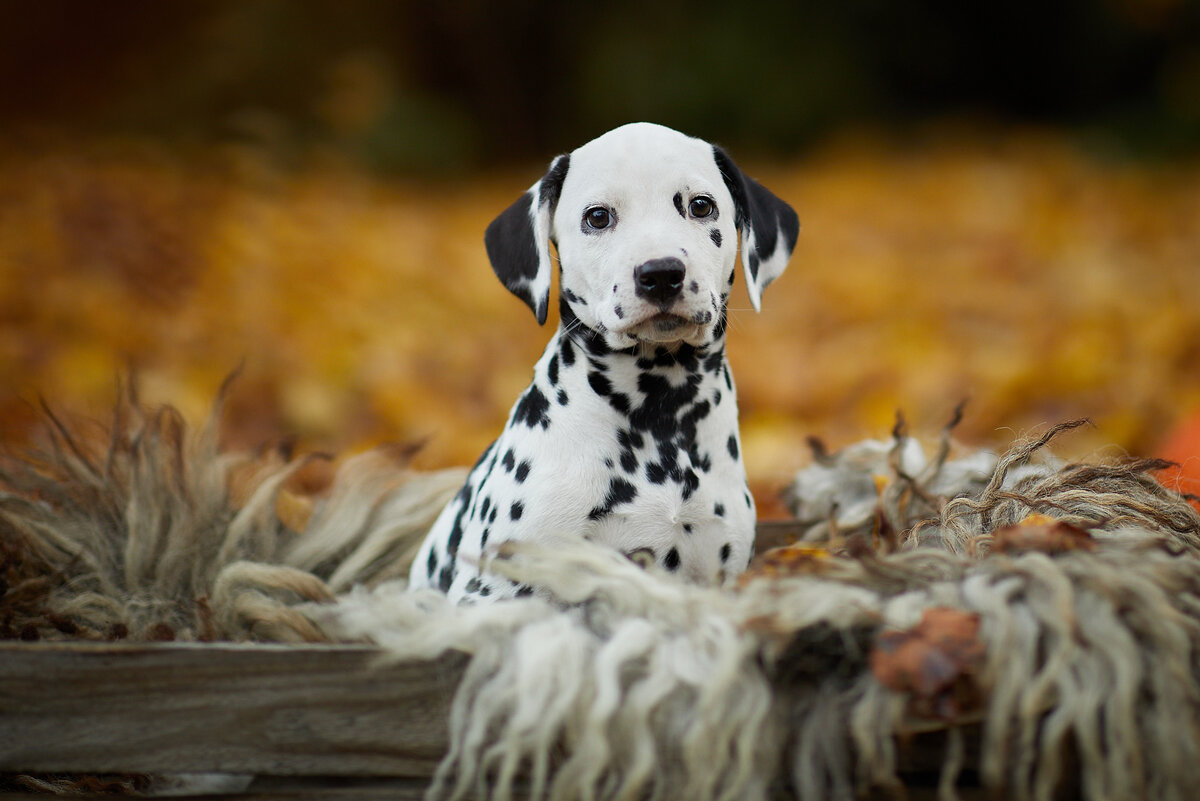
column 1072, row 639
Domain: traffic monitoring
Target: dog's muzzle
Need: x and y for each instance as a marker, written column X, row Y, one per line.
column 659, row 280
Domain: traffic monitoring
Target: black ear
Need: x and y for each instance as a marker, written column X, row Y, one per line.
column 768, row 226
column 518, row 241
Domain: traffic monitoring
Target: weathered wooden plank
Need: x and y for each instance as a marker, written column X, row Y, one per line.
column 254, row 709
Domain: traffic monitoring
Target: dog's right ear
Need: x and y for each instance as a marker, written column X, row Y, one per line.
column 518, row 241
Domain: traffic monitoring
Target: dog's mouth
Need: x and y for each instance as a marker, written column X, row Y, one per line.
column 664, row 327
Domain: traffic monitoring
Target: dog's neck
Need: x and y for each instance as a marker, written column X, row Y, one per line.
column 644, row 356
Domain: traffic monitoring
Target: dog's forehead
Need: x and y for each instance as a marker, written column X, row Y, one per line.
column 642, row 156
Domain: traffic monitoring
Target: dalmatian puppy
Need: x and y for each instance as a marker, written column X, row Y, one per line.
column 628, row 434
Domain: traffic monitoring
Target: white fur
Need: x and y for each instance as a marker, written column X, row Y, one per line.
column 566, row 466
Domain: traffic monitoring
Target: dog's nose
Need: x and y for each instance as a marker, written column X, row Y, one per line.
column 659, row 280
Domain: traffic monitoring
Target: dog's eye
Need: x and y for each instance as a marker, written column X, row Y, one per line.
column 597, row 217
column 701, row 206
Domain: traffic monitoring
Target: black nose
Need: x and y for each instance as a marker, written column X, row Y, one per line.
column 659, row 280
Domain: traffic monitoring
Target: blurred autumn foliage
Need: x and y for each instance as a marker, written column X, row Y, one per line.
column 1038, row 281
column 301, row 189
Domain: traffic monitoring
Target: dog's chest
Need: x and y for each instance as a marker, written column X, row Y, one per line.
column 640, row 454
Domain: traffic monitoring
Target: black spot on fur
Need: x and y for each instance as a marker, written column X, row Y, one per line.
column 694, row 287
column 749, row 500
column 483, row 538
column 719, row 509
column 620, row 402
column 732, row 445
column 567, row 351
column 599, row 383
column 445, row 579
column 617, row 310
column 532, row 409
column 456, row 531
column 517, row 509
column 722, row 323
column 552, row 370
column 656, row 473
column 732, row 273
column 524, row 590
column 432, row 565
column 629, row 461
column 619, row 491
column 562, row 398
column 671, row 560
column 509, row 461
column 687, row 528
column 713, row 361
column 728, row 379
column 474, row 585
column 726, row 550
column 483, row 511
column 678, row 200
column 522, row 472
column 691, row 482
column 715, row 235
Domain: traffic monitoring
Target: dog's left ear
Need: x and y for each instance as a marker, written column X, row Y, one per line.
column 768, row 226
column 518, row 241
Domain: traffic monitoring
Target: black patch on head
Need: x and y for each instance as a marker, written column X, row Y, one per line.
column 552, row 370
column 719, row 509
column 755, row 206
column 510, row 243
column 726, row 550
column 516, row 510
column 522, row 472
column 532, row 408
column 619, row 491
column 732, row 445
column 671, row 560
column 678, row 200
column 715, row 235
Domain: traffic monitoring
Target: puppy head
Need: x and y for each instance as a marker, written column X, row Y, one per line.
column 645, row 221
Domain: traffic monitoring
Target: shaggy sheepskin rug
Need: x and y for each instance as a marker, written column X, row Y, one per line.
column 1053, row 607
